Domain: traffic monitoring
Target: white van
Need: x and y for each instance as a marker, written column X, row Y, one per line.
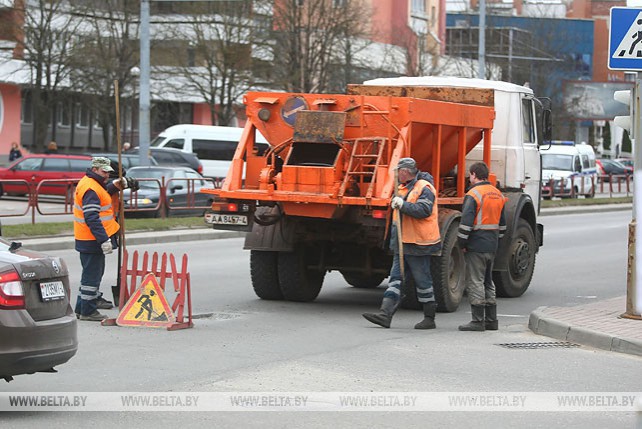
column 214, row 145
column 570, row 164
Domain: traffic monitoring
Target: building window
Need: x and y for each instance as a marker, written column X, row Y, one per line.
column 418, row 6
column 27, row 108
column 339, row 3
column 300, row 3
column 64, row 114
column 82, row 116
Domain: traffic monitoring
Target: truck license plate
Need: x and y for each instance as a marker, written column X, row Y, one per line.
column 52, row 291
column 221, row 219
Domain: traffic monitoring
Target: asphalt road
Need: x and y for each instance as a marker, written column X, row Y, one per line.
column 250, row 345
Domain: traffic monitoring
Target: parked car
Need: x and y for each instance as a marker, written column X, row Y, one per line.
column 627, row 162
column 34, row 168
column 38, row 328
column 214, row 145
column 174, row 158
column 608, row 167
column 129, row 160
column 182, row 185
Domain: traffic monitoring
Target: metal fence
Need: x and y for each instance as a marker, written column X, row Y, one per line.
column 605, row 186
column 61, row 191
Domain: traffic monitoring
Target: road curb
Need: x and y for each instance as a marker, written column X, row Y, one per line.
column 133, row 238
column 597, row 208
column 542, row 324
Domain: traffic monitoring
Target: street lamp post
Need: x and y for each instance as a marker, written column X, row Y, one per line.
column 143, row 92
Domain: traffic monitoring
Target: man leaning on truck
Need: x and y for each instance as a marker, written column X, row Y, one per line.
column 415, row 204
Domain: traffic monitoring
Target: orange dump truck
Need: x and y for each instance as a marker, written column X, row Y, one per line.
column 318, row 199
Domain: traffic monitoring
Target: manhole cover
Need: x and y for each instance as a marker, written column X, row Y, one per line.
column 548, row 345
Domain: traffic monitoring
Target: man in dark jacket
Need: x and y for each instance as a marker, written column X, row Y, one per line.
column 482, row 225
column 95, row 229
column 415, row 204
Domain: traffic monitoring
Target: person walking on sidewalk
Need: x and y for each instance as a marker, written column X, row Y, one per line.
column 95, row 229
column 415, row 204
column 15, row 152
column 482, row 225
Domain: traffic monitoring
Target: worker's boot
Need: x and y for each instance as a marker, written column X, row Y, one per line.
column 477, row 324
column 383, row 318
column 490, row 319
column 429, row 316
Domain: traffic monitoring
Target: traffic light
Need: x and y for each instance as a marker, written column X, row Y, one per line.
column 627, row 122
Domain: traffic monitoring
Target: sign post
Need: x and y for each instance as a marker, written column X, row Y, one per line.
column 625, row 53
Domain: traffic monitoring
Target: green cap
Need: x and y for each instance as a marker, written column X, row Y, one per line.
column 102, row 163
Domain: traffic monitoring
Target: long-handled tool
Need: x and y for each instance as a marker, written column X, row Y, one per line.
column 115, row 290
column 399, row 237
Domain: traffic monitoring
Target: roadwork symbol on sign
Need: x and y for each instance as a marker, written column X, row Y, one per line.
column 625, row 39
column 147, row 306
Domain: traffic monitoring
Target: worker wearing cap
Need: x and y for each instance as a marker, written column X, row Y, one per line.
column 95, row 230
column 421, row 239
column 482, row 225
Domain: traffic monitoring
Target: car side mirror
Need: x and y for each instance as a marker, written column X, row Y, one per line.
column 175, row 188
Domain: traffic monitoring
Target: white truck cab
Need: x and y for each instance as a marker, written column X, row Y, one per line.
column 568, row 169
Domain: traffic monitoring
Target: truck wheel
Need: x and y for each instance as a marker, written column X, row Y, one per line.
column 363, row 281
column 264, row 275
column 521, row 263
column 297, row 281
column 449, row 272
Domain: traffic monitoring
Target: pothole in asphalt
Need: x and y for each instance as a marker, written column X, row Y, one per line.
column 217, row 316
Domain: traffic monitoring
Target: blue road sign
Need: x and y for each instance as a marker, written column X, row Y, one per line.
column 625, row 39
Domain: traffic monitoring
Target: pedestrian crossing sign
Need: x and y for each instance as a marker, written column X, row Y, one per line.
column 625, row 39
column 147, row 306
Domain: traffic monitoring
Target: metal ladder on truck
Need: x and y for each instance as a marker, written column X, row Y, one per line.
column 364, row 161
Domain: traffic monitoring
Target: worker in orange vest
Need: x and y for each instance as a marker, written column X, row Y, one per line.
column 415, row 203
column 95, row 229
column 482, row 225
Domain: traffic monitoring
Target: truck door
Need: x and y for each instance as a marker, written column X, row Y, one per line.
column 532, row 169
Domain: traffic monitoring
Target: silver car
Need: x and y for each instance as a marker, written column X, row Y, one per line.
column 38, row 328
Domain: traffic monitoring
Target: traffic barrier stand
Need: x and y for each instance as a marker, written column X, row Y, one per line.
column 147, row 285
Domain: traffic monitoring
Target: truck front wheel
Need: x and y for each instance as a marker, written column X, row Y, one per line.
column 298, row 279
column 264, row 274
column 521, row 263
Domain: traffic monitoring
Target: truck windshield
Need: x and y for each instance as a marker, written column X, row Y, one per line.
column 557, row 162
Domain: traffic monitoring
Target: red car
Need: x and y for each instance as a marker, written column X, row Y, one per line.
column 34, row 168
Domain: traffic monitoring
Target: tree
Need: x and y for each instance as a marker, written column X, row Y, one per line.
column 107, row 51
column 45, row 41
column 213, row 53
column 306, row 36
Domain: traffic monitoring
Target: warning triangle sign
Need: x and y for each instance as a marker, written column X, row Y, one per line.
column 147, row 306
column 631, row 45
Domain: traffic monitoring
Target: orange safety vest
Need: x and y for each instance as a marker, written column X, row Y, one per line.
column 81, row 230
column 490, row 203
column 424, row 231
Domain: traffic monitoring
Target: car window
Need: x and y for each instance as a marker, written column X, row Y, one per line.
column 175, row 143
column 163, row 157
column 29, row 164
column 193, row 175
column 214, row 149
column 79, row 164
column 585, row 161
column 55, row 164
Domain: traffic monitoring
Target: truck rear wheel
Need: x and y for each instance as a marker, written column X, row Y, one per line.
column 264, row 275
column 363, row 281
column 449, row 272
column 521, row 263
column 297, row 280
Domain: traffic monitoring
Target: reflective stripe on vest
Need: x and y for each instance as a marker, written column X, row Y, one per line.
column 490, row 203
column 104, row 210
column 424, row 231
